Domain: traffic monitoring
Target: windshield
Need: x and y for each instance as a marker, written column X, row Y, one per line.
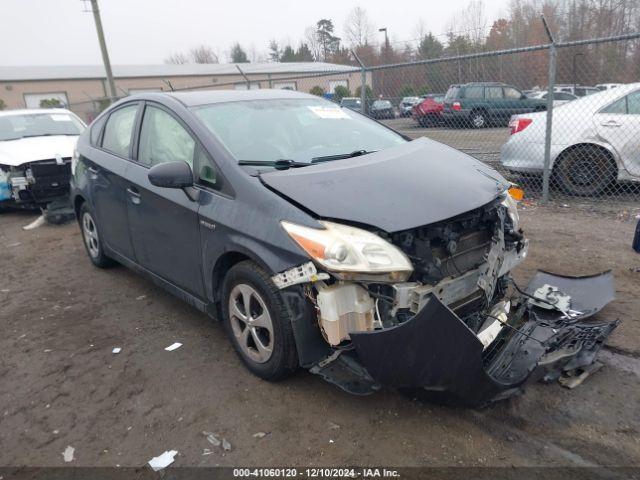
column 293, row 129
column 14, row 127
column 382, row 103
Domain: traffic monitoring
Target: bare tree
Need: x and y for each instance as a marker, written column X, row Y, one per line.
column 420, row 29
column 470, row 23
column 203, row 54
column 199, row 54
column 312, row 41
column 357, row 28
column 177, row 59
column 475, row 22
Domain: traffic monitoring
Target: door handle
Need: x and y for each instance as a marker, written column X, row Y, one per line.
column 134, row 194
column 611, row 123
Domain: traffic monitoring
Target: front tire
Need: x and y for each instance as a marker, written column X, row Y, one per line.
column 257, row 322
column 92, row 239
column 585, row 171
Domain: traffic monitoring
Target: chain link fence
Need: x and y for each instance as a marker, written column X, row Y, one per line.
column 560, row 119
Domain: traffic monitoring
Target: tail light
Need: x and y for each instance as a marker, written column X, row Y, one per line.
column 518, row 124
column 456, row 106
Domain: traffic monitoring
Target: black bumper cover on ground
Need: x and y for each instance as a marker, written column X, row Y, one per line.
column 437, row 353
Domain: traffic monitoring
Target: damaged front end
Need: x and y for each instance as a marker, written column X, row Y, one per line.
column 35, row 183
column 452, row 324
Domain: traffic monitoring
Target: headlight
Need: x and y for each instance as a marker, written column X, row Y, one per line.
column 341, row 248
column 512, row 210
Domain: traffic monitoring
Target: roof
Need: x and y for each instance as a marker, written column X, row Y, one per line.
column 206, row 97
column 60, row 72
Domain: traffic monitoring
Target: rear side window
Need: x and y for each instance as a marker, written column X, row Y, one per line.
column 119, row 130
column 493, row 93
column 618, row 107
column 512, row 93
column 633, row 103
column 474, row 92
column 163, row 139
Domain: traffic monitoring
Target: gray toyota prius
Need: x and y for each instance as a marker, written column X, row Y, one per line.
column 323, row 239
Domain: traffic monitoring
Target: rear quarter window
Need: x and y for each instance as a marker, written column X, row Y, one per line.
column 95, row 129
column 119, row 130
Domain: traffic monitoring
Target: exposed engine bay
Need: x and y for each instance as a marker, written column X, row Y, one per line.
column 456, row 327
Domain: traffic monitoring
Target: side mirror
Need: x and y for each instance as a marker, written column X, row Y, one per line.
column 171, row 175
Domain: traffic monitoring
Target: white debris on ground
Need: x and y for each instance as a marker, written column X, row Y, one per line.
column 116, row 350
column 259, row 435
column 38, row 222
column 68, row 454
column 226, row 445
column 162, row 461
column 173, row 347
column 212, row 439
column 141, row 297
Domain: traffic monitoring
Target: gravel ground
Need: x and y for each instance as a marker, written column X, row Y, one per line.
column 61, row 385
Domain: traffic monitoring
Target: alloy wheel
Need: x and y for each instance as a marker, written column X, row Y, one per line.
column 251, row 323
column 478, row 120
column 90, row 233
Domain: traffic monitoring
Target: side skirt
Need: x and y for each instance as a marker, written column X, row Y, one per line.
column 196, row 302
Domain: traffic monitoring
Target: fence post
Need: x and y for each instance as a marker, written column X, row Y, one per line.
column 546, row 172
column 363, row 83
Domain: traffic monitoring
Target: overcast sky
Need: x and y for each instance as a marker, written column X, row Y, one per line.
column 60, row 32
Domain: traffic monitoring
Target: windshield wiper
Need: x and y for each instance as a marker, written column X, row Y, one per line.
column 328, row 158
column 282, row 164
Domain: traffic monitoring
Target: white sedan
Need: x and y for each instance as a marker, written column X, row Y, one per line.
column 35, row 155
column 595, row 141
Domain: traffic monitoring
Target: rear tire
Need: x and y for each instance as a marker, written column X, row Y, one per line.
column 257, row 322
column 92, row 239
column 585, row 171
column 478, row 119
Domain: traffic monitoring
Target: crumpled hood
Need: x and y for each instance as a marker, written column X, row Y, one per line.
column 413, row 184
column 17, row 152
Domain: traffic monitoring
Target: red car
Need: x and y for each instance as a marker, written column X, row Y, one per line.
column 429, row 111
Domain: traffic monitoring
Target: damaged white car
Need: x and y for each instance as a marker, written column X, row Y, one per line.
column 323, row 239
column 36, row 147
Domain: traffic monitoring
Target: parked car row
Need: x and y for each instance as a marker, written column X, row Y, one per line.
column 482, row 104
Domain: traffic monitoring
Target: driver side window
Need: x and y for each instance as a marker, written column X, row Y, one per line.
column 163, row 139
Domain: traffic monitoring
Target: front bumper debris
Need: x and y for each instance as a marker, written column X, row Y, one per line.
column 438, row 354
